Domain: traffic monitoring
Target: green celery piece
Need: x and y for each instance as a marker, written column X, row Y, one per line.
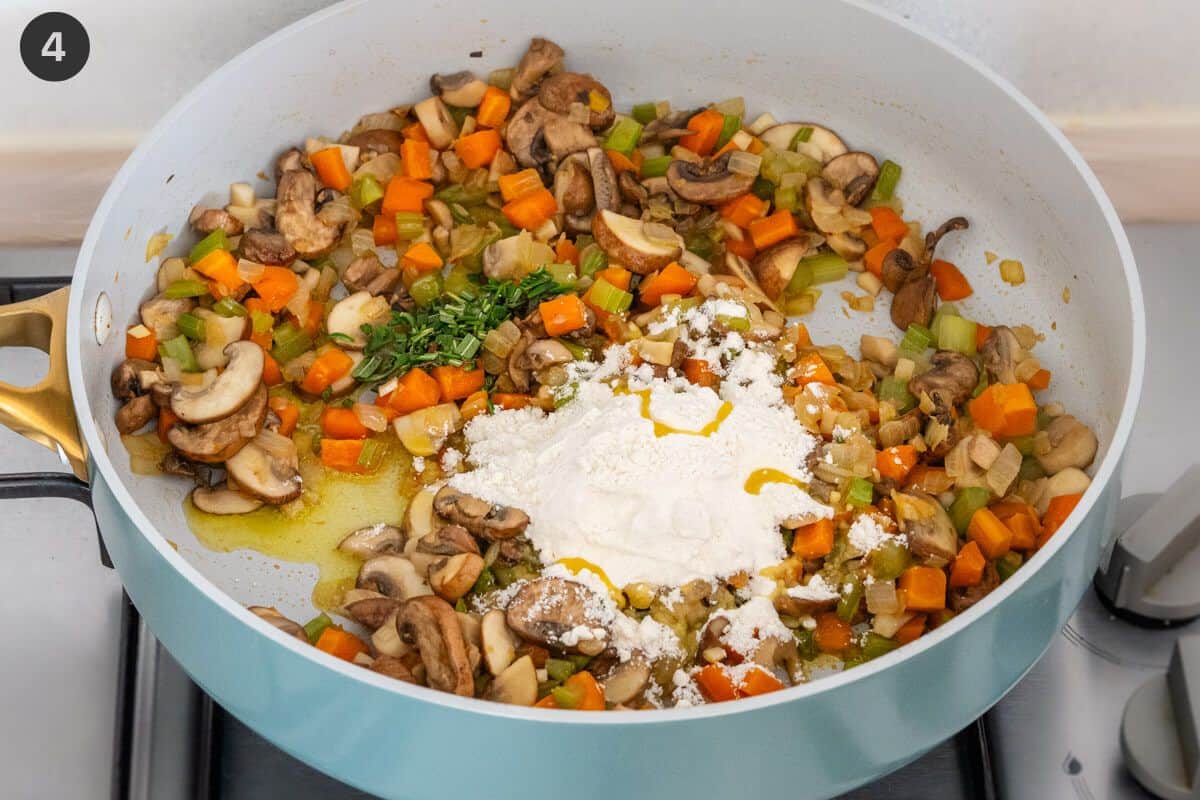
column 566, row 697
column 847, row 606
column 957, row 334
column 457, row 193
column 191, row 326
column 826, row 267
column 1007, row 564
column 608, row 297
column 763, row 189
column 731, row 125
column 896, row 391
column 968, row 500
column 563, row 274
column 885, row 184
column 656, row 167
column 860, row 493
column 802, row 135
column 592, row 259
column 889, row 560
column 875, row 646
column 624, row 136
column 365, row 190
column 214, row 241
column 181, row 350
column 290, row 342
column 426, row 289
column 316, row 626
column 186, row 288
column 734, row 323
column 559, row 669
column 645, row 113
column 228, row 307
column 801, row 279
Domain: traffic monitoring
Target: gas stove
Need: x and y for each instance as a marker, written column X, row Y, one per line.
column 97, row 708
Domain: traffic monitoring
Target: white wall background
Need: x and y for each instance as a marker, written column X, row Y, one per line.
column 1072, row 57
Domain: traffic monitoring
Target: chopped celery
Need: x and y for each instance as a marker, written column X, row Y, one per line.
column 847, row 607
column 1007, row 564
column 969, row 500
column 559, row 669
column 956, row 333
column 860, row 493
column 191, row 326
column 409, row 224
column 592, row 259
column 566, row 696
column 579, row 660
column 608, row 297
column 826, row 267
column 563, row 274
column 460, row 279
column 777, row 163
column 290, row 341
column 700, row 243
column 485, row 582
column 802, row 135
column 763, row 189
column 786, row 198
column 460, row 605
column 917, row 339
column 261, row 321
column 1024, row 444
column 214, row 241
column 371, row 453
column 983, row 383
column 889, row 560
column 656, row 167
column 426, row 289
column 365, row 190
column 731, row 125
column 645, row 113
column 875, row 646
column 181, row 350
column 733, row 323
column 460, row 214
column 1031, row 469
column 228, row 307
column 896, row 392
column 458, row 114
column 578, row 351
column 885, row 184
column 316, row 626
column 186, row 288
column 457, row 193
column 805, row 644
column 624, row 136
column 801, row 279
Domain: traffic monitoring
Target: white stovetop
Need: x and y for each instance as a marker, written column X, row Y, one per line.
column 59, row 663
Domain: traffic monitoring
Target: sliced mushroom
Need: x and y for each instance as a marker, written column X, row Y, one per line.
column 1072, row 444
column 435, row 118
column 774, row 267
column 290, row 160
column 284, row 624
column 272, row 478
column 949, row 381
column 453, row 576
column 229, row 392
column 219, row 332
column 547, row 353
column 931, row 534
column 496, row 641
column 932, row 239
column 542, row 56
column 265, row 246
column 573, row 186
column 897, row 431
column 490, row 521
column 350, row 314
column 502, row 258
column 460, row 89
column 1071, row 480
column 430, row 624
column 361, row 272
column 847, row 245
column 136, row 413
column 709, row 182
column 914, row 303
column 545, row 610
column 828, row 209
column 373, row 540
column 393, row 576
column 627, row 242
column 371, row 609
column 392, row 667
column 448, row 540
column 173, row 463
column 822, row 144
column 223, row 500
column 161, row 313
column 206, row 220
column 559, row 92
column 419, row 519
column 386, row 638
column 738, row 267
column 604, row 180
column 296, row 216
column 540, row 138
column 671, row 126
column 899, row 267
column 517, row 685
column 1001, row 353
column 377, row 140
column 626, row 681
column 219, row 441
column 854, row 173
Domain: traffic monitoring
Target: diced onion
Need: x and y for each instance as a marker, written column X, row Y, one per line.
column 340, row 211
column 743, row 163
column 172, row 370
column 139, row 331
column 298, row 304
column 882, row 598
column 371, row 417
column 158, row 242
column 250, row 271
column 1012, row 272
column 362, row 241
column 499, row 341
column 1004, row 470
column 241, row 195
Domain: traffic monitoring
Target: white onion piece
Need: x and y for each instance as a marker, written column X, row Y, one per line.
column 743, row 163
column 371, row 417
column 276, row 445
column 250, row 271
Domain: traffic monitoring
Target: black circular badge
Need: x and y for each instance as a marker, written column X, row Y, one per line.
column 54, row 46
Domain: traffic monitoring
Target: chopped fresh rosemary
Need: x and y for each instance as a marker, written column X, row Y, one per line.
column 450, row 330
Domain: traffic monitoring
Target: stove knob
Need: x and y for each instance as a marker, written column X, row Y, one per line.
column 1159, row 737
column 1150, row 577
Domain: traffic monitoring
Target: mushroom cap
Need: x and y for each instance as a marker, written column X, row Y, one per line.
column 547, row 353
column 931, row 534
column 351, row 313
column 461, row 89
column 708, row 182
column 453, row 576
column 496, row 641
column 296, row 217
column 430, row 624
column 223, row 500
column 545, row 610
column 206, row 220
column 160, row 314
column 775, row 266
column 915, row 302
column 542, row 56
column 435, row 118
column 949, row 381
column 539, row 138
column 377, row 140
column 490, row 521
column 823, row 144
column 559, row 92
column 371, row 609
column 854, row 173
column 284, row 624
column 267, row 476
column 136, row 413
column 517, row 685
column 392, row 576
column 448, row 540
column 214, row 442
column 899, row 267
column 934, row 237
column 573, row 185
column 624, row 240
column 373, row 540
column 228, row 392
column 265, row 246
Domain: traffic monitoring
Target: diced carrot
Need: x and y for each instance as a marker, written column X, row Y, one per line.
column 342, row 423
column 565, row 251
column 1040, row 380
column 414, row 154
column 270, row 374
column 510, row 401
column 968, row 566
column 887, row 224
column 814, row 540
column 415, row 131
column 759, row 681
column 617, row 276
column 728, row 147
column 811, row 368
column 478, row 149
column 1024, row 533
column 932, row 480
column 1056, row 514
column 494, row 107
column 331, row 168
column 982, row 332
column 221, row 266
column 706, row 129
column 166, row 421
column 518, row 184
column 144, row 346
column 276, row 286
column 992, row 535
column 873, row 259
column 741, row 247
column 546, row 702
column 384, row 229
column 741, row 211
column 342, row 454
column 421, row 257
column 415, row 390
column 531, row 211
column 474, row 405
column 1005, row 409
column 896, row 462
column 405, row 194
column 756, row 146
column 951, row 283
column 563, row 314
column 339, row 643
column 331, row 365
column 773, row 229
column 288, row 413
column 699, row 372
column 671, row 279
column 803, row 339
column 716, row 684
column 924, row 588
column 584, row 684
column 832, row 634
column 457, row 383
column 621, row 162
column 911, row 630
column 637, row 159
